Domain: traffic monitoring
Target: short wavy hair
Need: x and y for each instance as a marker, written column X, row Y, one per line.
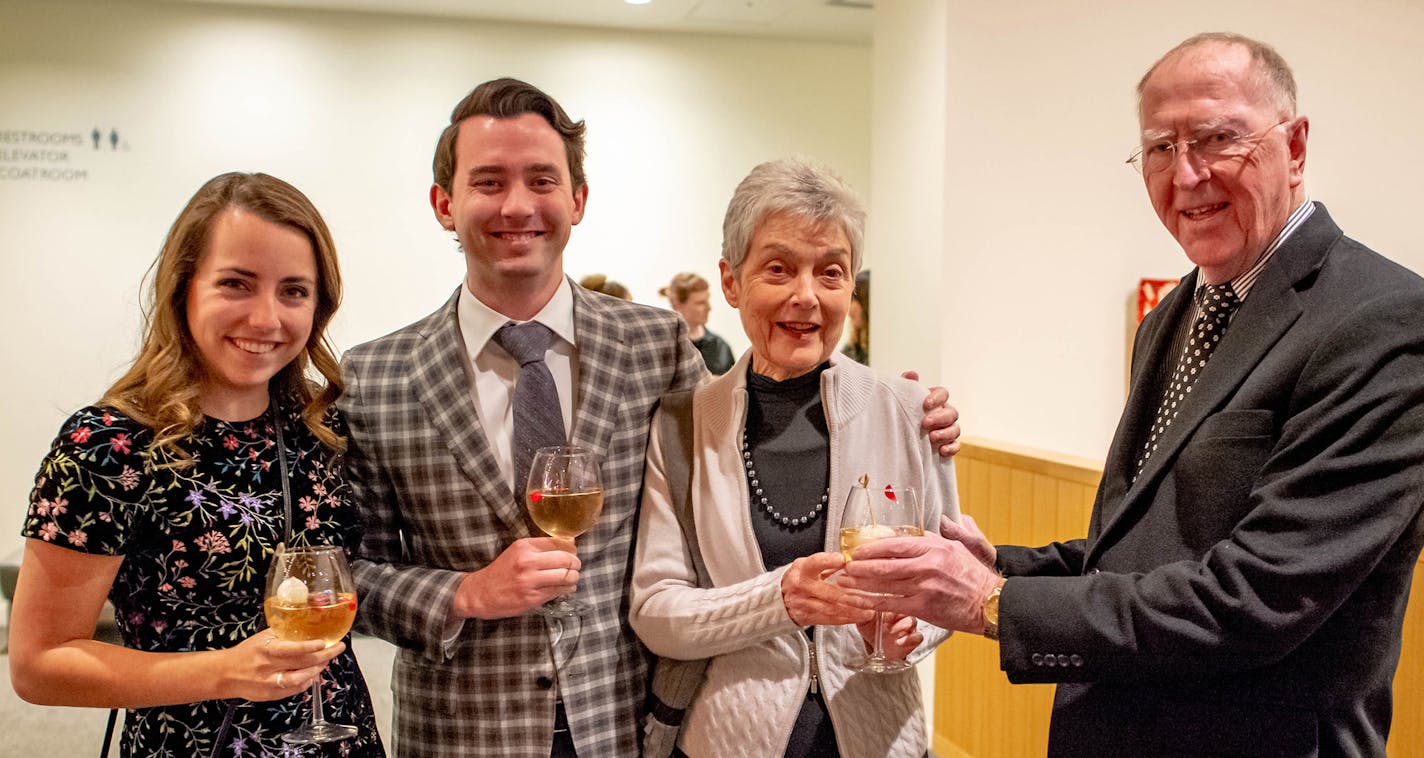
column 509, row 98
column 796, row 186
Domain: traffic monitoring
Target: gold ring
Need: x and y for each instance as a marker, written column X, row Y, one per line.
column 279, row 679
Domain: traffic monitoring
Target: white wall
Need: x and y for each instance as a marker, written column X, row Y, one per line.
column 1047, row 232
column 905, row 230
column 347, row 107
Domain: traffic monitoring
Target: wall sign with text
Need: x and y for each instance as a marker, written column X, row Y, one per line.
column 57, row 155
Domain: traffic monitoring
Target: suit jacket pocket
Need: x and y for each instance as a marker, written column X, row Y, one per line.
column 1236, row 424
column 1215, row 472
column 419, row 687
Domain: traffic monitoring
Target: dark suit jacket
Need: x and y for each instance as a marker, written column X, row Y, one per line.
column 434, row 506
column 1245, row 595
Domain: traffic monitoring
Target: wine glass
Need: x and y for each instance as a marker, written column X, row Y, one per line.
column 564, row 496
column 311, row 596
column 872, row 515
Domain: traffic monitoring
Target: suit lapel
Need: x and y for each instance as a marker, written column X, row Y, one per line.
column 1145, row 392
column 602, row 355
column 441, row 379
column 1267, row 313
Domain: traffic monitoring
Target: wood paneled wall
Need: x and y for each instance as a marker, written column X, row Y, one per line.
column 1029, row 497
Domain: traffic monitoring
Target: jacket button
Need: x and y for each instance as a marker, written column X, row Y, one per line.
column 1063, row 660
column 544, row 682
column 1037, row 659
column 1076, row 660
column 1050, row 660
column 1092, row 572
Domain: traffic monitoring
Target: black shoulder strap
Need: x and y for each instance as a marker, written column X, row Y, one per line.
column 109, row 732
column 675, row 428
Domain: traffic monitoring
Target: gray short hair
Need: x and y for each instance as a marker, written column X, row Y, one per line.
column 1274, row 74
column 798, row 187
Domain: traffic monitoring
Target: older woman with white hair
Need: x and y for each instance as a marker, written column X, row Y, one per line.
column 778, row 442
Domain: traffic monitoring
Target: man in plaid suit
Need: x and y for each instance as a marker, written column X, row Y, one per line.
column 450, row 568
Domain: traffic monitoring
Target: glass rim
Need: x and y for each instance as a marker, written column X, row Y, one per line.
column 311, row 548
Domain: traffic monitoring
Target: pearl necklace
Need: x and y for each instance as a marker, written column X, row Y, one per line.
column 760, row 495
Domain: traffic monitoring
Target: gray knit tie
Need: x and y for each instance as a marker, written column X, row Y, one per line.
column 538, row 418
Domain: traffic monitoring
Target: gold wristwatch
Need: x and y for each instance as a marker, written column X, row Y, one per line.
column 991, row 611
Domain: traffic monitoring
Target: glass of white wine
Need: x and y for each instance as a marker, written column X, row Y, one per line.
column 311, row 596
column 564, row 497
column 872, row 515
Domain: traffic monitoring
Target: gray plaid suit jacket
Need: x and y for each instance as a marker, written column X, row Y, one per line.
column 434, row 507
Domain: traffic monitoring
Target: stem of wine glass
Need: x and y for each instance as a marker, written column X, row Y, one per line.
column 318, row 719
column 564, row 598
column 878, row 654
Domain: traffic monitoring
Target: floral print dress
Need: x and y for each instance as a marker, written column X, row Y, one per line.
column 196, row 544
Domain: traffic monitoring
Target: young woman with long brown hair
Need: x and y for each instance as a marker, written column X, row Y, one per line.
column 167, row 496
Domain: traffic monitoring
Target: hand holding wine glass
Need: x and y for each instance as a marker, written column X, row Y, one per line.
column 870, row 516
column 312, row 596
column 565, row 497
column 899, row 636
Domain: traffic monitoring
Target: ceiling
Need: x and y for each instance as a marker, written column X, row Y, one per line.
column 824, row 20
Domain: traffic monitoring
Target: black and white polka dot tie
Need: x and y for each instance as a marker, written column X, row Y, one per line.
column 1216, row 304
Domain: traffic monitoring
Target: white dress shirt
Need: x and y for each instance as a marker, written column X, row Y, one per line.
column 495, row 371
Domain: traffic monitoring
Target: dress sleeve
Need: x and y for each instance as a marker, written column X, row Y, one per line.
column 91, row 484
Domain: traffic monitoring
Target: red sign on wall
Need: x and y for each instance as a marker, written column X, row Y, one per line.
column 1150, row 292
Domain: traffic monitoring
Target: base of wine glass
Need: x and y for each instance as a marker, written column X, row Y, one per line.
column 881, row 666
column 562, row 608
column 322, row 731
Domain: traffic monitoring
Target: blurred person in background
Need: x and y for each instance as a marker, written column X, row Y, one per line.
column 692, row 299
column 857, row 346
column 601, row 283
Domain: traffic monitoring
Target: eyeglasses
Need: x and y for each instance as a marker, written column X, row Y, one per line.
column 1209, row 146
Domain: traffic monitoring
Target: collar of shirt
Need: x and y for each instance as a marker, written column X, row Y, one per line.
column 1242, row 284
column 479, row 322
column 495, row 372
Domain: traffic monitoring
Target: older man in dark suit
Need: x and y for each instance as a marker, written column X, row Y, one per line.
column 1242, row 587
column 450, row 568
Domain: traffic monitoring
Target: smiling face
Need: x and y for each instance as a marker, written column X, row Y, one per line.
column 792, row 293
column 511, row 204
column 249, row 309
column 1224, row 213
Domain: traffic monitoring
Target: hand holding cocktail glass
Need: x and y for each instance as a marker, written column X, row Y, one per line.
column 564, row 497
column 941, row 578
column 532, row 573
column 311, row 596
column 871, row 516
